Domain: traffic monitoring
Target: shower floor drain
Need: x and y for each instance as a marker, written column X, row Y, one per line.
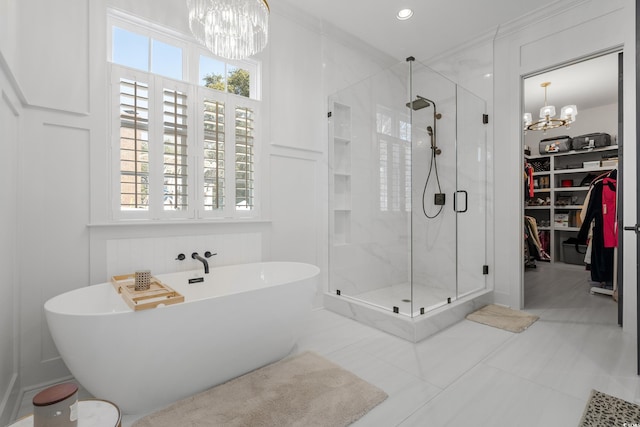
column 406, row 300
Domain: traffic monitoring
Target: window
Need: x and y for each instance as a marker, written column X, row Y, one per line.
column 213, row 154
column 244, row 158
column 145, row 53
column 384, row 189
column 222, row 76
column 134, row 145
column 185, row 128
column 394, row 154
column 175, row 150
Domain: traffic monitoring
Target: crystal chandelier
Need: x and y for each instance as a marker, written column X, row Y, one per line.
column 232, row 29
column 548, row 120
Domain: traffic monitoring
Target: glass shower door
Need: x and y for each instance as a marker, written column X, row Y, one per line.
column 369, row 195
column 433, row 220
column 471, row 194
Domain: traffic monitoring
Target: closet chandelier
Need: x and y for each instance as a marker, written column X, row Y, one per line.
column 232, row 29
column 547, row 120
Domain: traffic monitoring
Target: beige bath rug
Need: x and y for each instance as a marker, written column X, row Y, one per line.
column 303, row 390
column 502, row 317
column 604, row 410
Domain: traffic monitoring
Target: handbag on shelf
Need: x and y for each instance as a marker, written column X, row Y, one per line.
column 540, row 165
column 591, row 140
column 556, row 144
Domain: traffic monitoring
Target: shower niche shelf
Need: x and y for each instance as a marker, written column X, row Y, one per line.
column 341, row 227
column 340, row 173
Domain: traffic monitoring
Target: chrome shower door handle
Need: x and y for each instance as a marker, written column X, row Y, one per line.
column 466, row 201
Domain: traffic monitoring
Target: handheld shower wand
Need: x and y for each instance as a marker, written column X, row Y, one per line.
column 434, row 148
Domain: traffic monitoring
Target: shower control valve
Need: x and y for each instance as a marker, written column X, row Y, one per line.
column 208, row 254
column 180, row 257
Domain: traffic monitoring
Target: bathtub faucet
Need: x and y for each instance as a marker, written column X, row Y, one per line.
column 202, row 260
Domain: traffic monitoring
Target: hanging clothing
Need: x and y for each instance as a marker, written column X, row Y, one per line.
column 533, row 241
column 528, row 168
column 609, row 214
column 601, row 255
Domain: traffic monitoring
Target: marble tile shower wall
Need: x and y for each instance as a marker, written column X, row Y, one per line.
column 158, row 254
column 387, row 245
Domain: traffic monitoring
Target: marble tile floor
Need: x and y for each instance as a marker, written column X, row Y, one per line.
column 472, row 374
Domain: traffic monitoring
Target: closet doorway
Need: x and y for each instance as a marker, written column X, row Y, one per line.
column 565, row 171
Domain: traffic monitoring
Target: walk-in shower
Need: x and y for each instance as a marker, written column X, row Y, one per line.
column 408, row 164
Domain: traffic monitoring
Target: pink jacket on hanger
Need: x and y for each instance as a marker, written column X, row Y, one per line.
column 609, row 217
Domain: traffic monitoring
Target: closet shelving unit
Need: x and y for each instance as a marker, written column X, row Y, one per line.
column 561, row 215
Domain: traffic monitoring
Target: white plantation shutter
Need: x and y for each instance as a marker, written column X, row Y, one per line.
column 384, row 176
column 175, row 191
column 214, row 154
column 244, row 137
column 134, row 145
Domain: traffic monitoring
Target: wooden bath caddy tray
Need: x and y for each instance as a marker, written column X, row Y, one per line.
column 158, row 293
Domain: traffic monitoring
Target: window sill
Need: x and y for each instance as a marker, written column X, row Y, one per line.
column 177, row 222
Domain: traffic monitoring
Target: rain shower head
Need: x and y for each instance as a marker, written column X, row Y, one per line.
column 419, row 103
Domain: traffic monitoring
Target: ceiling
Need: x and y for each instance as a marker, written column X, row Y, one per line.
column 586, row 84
column 438, row 26
column 435, row 27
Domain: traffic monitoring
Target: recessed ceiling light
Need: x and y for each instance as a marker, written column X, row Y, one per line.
column 404, row 14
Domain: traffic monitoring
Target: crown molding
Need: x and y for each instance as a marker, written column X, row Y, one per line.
column 537, row 15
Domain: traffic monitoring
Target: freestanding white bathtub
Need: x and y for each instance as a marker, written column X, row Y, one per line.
column 240, row 318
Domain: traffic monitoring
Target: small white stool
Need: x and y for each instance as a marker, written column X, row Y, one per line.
column 91, row 413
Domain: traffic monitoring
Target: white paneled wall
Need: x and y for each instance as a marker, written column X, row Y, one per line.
column 55, row 73
column 53, row 236
column 158, row 254
column 295, row 208
column 8, row 26
column 9, row 365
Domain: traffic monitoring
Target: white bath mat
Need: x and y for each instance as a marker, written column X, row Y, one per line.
column 303, row 390
column 502, row 317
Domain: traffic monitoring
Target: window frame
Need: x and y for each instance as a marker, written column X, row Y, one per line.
column 196, row 93
column 138, row 26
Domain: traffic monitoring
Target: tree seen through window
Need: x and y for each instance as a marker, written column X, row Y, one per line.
column 238, row 82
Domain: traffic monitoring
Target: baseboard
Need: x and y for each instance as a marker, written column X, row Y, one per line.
column 9, row 401
column 506, row 300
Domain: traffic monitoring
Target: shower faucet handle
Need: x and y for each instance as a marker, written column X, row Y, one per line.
column 208, row 254
column 180, row 257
